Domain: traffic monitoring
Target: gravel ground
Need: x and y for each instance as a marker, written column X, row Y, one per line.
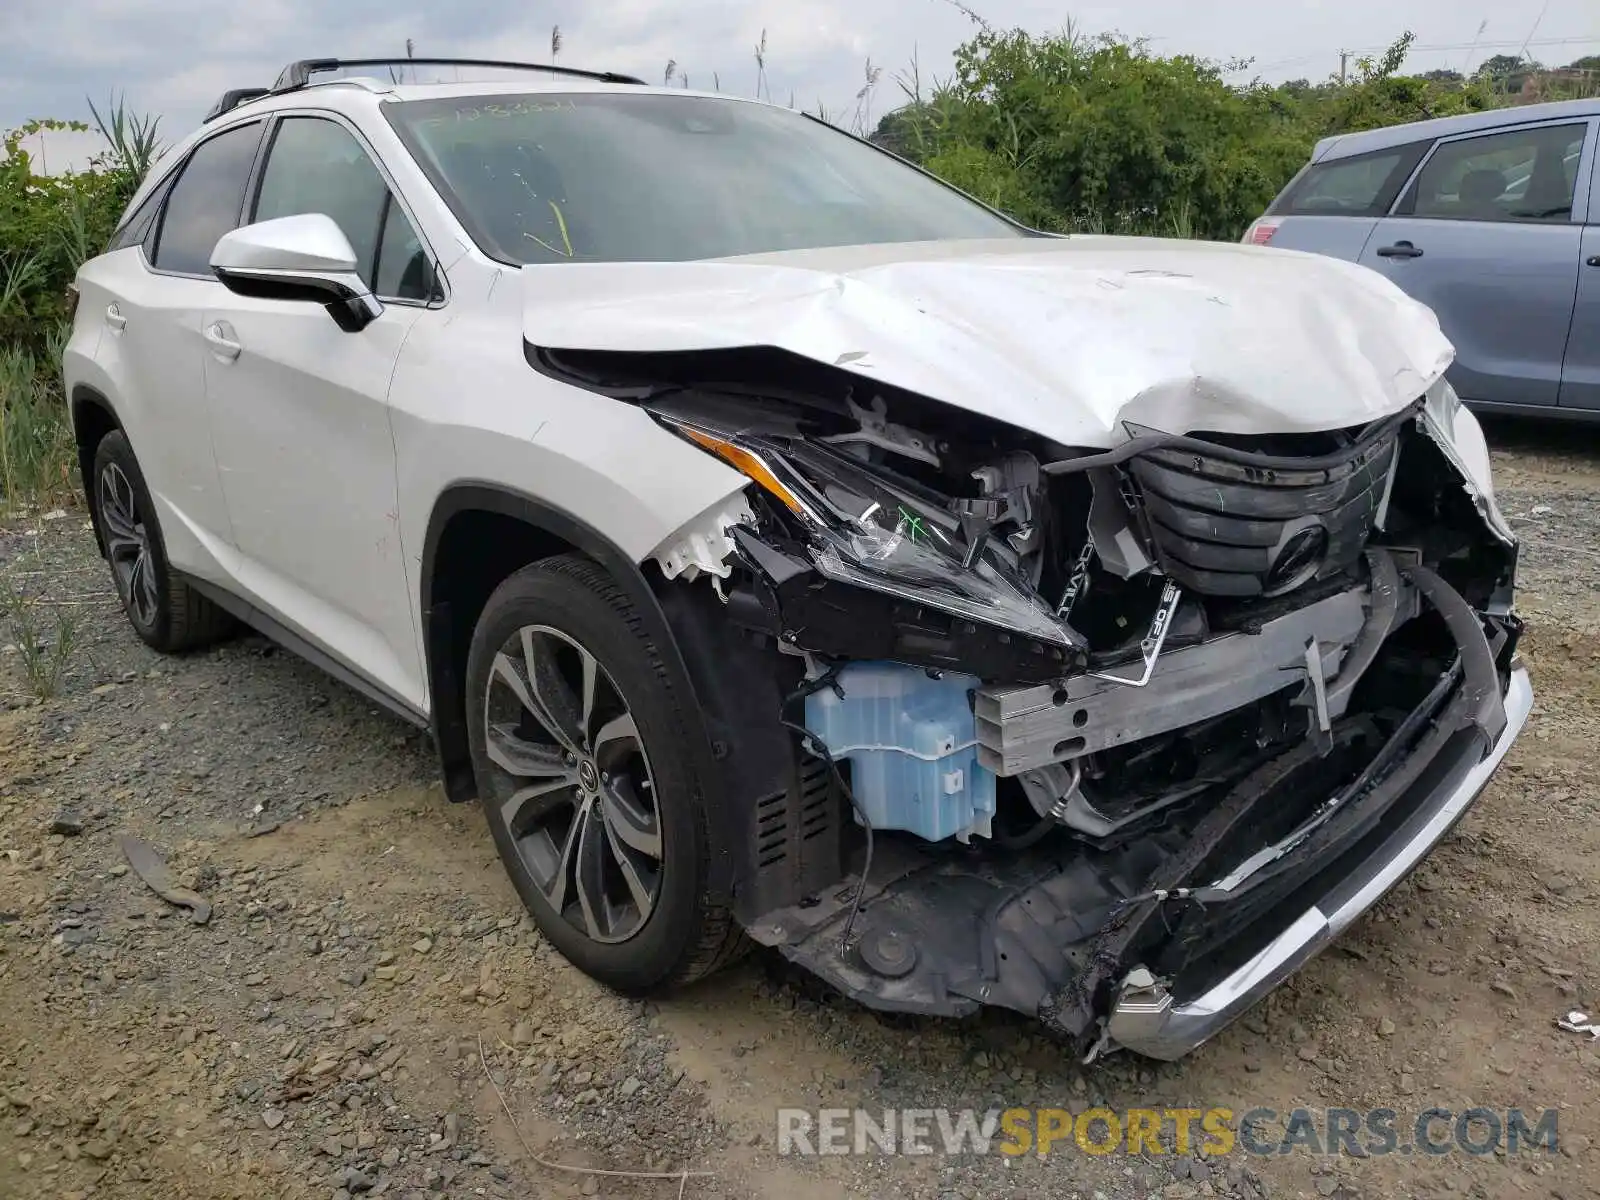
column 368, row 1012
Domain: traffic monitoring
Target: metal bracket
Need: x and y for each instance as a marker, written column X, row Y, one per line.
column 1317, row 680
column 1150, row 647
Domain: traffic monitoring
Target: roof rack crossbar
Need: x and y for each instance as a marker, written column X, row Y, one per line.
column 298, row 74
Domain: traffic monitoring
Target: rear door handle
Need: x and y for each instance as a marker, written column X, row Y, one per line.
column 1399, row 250
column 218, row 335
column 115, row 319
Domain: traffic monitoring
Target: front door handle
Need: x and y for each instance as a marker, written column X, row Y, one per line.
column 1593, row 260
column 115, row 319
column 222, row 344
column 1399, row 250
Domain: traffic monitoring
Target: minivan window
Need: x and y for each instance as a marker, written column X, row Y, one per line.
column 206, row 201
column 1363, row 185
column 1525, row 175
column 553, row 177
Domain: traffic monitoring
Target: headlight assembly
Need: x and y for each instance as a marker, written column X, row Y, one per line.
column 887, row 534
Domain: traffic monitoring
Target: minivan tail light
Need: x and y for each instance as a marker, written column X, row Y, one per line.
column 1260, row 233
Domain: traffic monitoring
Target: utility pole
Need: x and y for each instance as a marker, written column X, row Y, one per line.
column 1344, row 58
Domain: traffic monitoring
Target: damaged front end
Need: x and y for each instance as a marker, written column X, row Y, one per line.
column 1115, row 738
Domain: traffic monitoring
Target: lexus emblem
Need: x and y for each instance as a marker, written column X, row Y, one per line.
column 1298, row 561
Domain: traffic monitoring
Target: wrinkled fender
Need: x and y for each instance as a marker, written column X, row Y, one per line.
column 448, row 709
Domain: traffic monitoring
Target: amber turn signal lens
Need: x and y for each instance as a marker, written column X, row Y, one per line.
column 749, row 464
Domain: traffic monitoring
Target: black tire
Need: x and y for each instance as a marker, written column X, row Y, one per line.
column 163, row 610
column 574, row 608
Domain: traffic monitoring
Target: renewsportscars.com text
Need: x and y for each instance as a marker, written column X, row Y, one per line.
column 1159, row 1131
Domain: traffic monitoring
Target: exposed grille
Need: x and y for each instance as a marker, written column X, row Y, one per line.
column 1226, row 526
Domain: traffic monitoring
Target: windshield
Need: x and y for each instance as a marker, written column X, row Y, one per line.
column 602, row 177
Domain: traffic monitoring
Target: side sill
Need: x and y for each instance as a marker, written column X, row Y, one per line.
column 314, row 654
column 1549, row 412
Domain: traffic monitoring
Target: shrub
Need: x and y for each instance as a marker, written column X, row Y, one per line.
column 50, row 224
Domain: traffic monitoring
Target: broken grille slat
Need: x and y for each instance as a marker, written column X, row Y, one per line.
column 1222, row 535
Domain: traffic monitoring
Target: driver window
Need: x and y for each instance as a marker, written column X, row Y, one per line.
column 316, row 165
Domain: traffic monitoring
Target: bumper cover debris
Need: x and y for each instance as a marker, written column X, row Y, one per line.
column 1148, row 1019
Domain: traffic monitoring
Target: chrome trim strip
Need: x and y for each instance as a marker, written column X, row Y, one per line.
column 1171, row 1032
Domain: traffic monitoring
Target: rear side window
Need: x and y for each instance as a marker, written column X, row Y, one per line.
column 206, row 201
column 136, row 229
column 1363, row 185
column 1521, row 175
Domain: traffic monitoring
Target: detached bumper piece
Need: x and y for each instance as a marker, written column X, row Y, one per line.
column 1150, row 1019
column 1159, row 941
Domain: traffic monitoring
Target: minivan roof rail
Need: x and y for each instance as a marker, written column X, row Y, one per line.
column 298, row 74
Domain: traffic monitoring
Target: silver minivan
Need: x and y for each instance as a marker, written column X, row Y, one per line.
column 1493, row 220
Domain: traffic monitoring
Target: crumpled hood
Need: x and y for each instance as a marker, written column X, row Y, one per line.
column 1069, row 338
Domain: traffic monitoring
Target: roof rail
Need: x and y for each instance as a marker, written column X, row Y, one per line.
column 232, row 98
column 298, row 74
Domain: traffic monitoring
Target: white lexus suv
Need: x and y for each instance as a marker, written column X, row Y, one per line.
column 785, row 547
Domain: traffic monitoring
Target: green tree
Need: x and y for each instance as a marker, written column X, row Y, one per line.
column 1506, row 73
column 1379, row 95
column 1066, row 132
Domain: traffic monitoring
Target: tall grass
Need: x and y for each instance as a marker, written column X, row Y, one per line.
column 37, row 451
column 135, row 145
column 44, row 653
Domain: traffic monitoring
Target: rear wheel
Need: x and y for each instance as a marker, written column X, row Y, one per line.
column 163, row 610
column 583, row 766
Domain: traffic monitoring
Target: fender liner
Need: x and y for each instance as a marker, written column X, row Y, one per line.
column 85, row 398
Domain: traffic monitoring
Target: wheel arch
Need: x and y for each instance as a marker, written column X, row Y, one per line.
column 478, row 534
column 93, row 417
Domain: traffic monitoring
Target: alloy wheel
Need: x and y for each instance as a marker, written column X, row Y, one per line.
column 127, row 545
column 573, row 784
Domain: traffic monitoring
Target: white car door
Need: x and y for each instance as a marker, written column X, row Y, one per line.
column 150, row 293
column 301, row 423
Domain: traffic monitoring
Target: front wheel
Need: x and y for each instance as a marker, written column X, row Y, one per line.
column 592, row 796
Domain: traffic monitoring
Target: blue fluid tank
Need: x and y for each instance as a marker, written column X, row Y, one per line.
column 912, row 746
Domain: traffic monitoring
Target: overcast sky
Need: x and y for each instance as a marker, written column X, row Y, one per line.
column 174, row 57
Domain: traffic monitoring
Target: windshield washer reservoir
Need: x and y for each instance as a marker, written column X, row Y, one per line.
column 912, row 746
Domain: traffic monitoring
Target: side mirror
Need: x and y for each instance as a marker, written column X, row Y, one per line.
column 306, row 258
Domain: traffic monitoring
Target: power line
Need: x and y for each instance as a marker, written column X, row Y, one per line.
column 1510, row 44
column 1345, row 54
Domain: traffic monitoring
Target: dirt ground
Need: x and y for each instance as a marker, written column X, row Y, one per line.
column 367, row 1011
